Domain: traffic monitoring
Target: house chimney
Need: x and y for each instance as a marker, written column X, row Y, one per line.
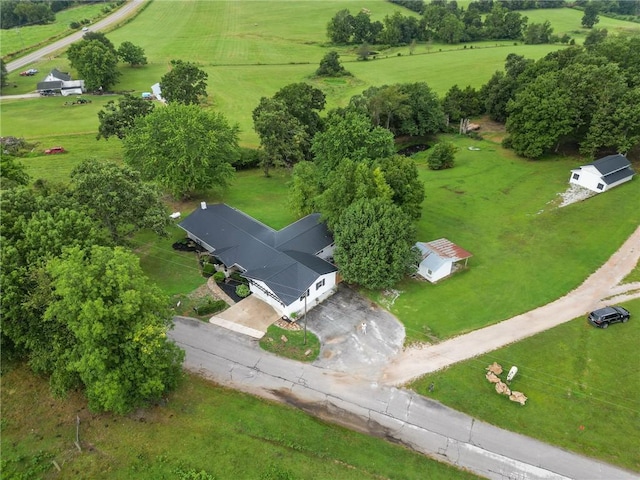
column 203, row 205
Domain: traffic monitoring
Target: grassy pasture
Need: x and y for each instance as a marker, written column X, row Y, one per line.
column 569, row 21
column 582, row 384
column 202, row 428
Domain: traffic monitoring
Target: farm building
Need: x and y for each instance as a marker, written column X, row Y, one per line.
column 289, row 269
column 57, row 82
column 440, row 258
column 603, row 174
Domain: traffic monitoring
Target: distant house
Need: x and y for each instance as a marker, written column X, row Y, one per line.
column 603, row 174
column 288, row 268
column 57, row 82
column 440, row 258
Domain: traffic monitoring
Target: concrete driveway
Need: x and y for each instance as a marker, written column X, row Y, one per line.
column 347, row 346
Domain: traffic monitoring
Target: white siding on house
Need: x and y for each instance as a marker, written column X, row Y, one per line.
column 323, row 287
column 589, row 177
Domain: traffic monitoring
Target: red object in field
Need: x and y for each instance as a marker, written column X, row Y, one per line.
column 53, row 150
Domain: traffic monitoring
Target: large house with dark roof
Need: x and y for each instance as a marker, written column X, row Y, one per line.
column 603, row 174
column 289, row 269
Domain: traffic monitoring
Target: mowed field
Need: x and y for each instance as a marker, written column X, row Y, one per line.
column 252, row 49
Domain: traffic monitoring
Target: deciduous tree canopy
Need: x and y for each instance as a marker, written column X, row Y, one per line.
column 115, row 325
column 96, row 63
column 119, row 119
column 116, row 198
column 183, row 148
column 374, row 240
column 185, row 83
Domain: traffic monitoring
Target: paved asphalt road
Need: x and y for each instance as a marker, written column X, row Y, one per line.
column 49, row 50
column 424, row 425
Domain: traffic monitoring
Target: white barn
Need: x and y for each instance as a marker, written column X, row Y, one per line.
column 440, row 258
column 603, row 174
column 289, row 269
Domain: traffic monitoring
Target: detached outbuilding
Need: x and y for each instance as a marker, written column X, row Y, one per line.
column 603, row 174
column 440, row 258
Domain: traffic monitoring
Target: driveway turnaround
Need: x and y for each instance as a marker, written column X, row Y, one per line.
column 358, row 337
column 236, row 360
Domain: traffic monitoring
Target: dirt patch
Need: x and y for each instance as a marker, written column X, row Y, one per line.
column 490, row 130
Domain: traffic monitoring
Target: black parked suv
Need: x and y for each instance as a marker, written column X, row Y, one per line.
column 604, row 316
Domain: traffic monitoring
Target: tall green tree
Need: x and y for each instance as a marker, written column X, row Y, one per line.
column 590, row 17
column 349, row 182
column 118, row 119
column 283, row 137
column 401, row 174
column 305, row 103
column 374, row 241
column 116, row 198
column 96, row 63
column 330, row 66
column 615, row 125
column 132, row 54
column 12, row 172
column 350, row 135
column 387, row 105
column 425, row 115
column 185, row 83
column 340, row 27
column 183, row 148
column 36, row 226
column 117, row 321
column 305, row 188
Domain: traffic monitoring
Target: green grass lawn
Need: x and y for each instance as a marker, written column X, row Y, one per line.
column 294, row 346
column 202, row 428
column 526, row 252
column 175, row 272
column 569, row 21
column 582, row 385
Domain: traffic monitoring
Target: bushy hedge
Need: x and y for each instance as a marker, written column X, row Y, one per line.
column 242, row 291
column 219, row 277
column 210, row 306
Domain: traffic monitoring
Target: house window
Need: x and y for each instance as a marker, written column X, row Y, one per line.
column 600, row 186
column 429, row 272
column 576, row 176
column 320, row 284
column 304, row 295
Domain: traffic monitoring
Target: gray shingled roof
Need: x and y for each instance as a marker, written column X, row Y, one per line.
column 284, row 260
column 52, row 85
column 611, row 164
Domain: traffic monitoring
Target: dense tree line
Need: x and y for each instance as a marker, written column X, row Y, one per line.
column 369, row 196
column 587, row 96
column 75, row 302
column 444, row 21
